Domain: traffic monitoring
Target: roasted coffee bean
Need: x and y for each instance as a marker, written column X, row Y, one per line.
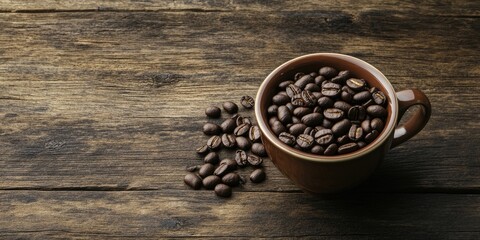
column 317, row 149
column 341, row 77
column 298, row 75
column 315, row 130
column 283, row 93
column 297, row 129
column 242, row 129
column 235, row 116
column 312, row 119
column 327, row 123
column 277, row 128
column 230, row 162
column 273, row 119
column 324, row 136
column 301, row 111
column 347, row 148
column 211, row 181
column 241, row 158
column 325, row 102
column 308, row 130
column 298, row 101
column 231, row 179
column 331, row 89
column 239, row 120
column 212, row 158
column 312, row 87
column 313, row 74
column 280, row 99
column 348, row 90
column 345, row 96
column 230, row 107
column 308, row 98
column 296, row 146
column 293, row 90
column 247, row 120
column 254, row 160
column 193, row 181
column 290, row 107
column 328, row 72
column 259, row 150
column 361, row 144
column 287, row 138
column 356, row 84
column 343, row 139
column 221, row 170
column 344, row 106
column 331, row 150
column 247, row 102
column 379, row 98
column 257, row 176
column 284, row 84
column 228, row 125
column 341, row 128
column 191, row 168
column 213, row 112
column 296, row 120
column 303, row 81
column 243, row 143
column 207, row 169
column 377, row 111
column 289, row 125
column 228, row 140
column 202, row 150
column 355, row 133
column 254, row 134
column 368, row 103
column 284, row 115
column 357, row 113
column 362, row 96
column 333, row 114
column 317, row 95
column 223, row 190
column 214, row 142
column 319, row 80
column 272, row 110
column 305, row 141
column 371, row 136
column 366, row 126
column 211, row 129
column 317, row 109
column 377, row 124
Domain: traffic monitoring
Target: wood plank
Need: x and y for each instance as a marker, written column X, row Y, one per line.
column 449, row 8
column 154, row 214
column 114, row 100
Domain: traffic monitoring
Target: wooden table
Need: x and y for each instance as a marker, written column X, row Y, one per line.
column 101, row 107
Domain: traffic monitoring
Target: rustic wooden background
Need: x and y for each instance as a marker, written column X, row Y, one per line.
column 101, row 105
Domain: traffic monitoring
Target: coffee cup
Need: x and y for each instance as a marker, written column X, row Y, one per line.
column 331, row 174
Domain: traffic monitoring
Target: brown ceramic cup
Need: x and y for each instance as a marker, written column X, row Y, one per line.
column 330, row 174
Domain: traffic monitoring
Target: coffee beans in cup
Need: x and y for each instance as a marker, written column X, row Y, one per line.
column 329, row 112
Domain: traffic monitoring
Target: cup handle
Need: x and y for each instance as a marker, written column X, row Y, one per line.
column 418, row 120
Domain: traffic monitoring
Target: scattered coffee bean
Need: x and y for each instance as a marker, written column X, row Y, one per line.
column 230, row 162
column 211, row 129
column 207, row 169
column 254, row 134
column 324, row 136
column 191, row 168
column 377, row 111
column 239, row 120
column 202, row 150
column 231, row 179
column 259, row 150
column 228, row 125
column 242, row 129
column 305, row 141
column 347, row 148
column 241, row 158
column 254, row 160
column 333, row 114
column 193, row 181
column 211, row 181
column 243, row 143
column 213, row 112
column 247, row 120
column 222, row 170
column 214, row 142
column 287, row 138
column 223, row 190
column 328, row 72
column 247, row 102
column 230, row 107
column 228, row 140
column 212, row 158
column 257, row 176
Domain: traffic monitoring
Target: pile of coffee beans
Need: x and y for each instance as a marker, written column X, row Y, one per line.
column 328, row 112
column 236, row 134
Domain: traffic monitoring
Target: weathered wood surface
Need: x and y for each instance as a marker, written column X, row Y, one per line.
column 109, row 98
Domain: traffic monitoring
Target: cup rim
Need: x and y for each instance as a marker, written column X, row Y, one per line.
column 389, row 127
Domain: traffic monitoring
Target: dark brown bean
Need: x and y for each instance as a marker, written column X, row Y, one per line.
column 327, row 123
column 230, row 162
column 379, row 98
column 211, row 129
column 293, row 90
column 362, row 96
column 284, row 115
column 355, row 133
column 301, row 111
column 257, row 176
column 231, row 179
column 221, row 170
column 247, row 102
column 345, row 96
column 247, row 120
column 356, row 84
column 202, row 150
column 273, row 119
column 272, row 110
column 331, row 89
column 230, row 107
column 361, row 144
column 368, row 103
column 254, row 160
column 242, row 129
column 317, row 95
column 284, row 84
column 303, row 81
column 243, row 143
column 328, row 72
column 223, row 190
column 325, row 102
column 239, row 120
column 228, row 125
column 296, row 120
column 280, row 99
column 312, row 119
column 298, row 75
column 357, row 113
column 340, row 128
column 377, row 124
column 324, row 136
column 212, row 158
column 308, row 98
column 341, row 77
column 277, row 128
column 207, row 169
column 366, row 126
column 317, row 149
column 191, row 168
column 313, row 74
column 213, row 112
column 228, row 140
column 347, row 148
column 287, row 138
column 319, row 80
column 290, row 106
column 259, row 150
column 333, row 114
column 371, row 136
column 297, row 129
column 214, row 142
column 344, row 106
column 343, row 139
column 305, row 141
column 193, row 181
column 241, row 158
column 377, row 111
column 298, row 101
column 211, row 181
column 312, row 87
column 317, row 109
column 254, row 134
column 331, row 150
